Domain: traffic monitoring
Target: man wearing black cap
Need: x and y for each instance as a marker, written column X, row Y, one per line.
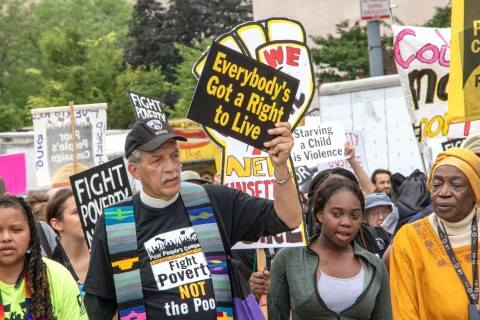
column 171, row 258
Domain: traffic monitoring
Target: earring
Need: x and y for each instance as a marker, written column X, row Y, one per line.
column 28, row 251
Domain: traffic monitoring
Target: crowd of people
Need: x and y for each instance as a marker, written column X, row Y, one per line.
column 369, row 254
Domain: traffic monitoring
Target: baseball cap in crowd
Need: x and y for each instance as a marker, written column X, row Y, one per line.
column 148, row 135
column 377, row 199
column 192, row 176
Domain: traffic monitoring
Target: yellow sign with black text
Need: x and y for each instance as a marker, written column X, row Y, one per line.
column 464, row 89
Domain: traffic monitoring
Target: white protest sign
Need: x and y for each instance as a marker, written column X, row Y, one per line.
column 322, row 142
column 355, row 138
column 54, row 149
column 422, row 56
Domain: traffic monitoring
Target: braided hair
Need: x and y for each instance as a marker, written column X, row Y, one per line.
column 36, row 274
column 312, row 224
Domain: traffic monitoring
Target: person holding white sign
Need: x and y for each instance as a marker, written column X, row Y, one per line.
column 363, row 179
column 162, row 253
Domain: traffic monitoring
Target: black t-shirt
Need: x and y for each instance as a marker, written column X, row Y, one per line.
column 373, row 239
column 175, row 277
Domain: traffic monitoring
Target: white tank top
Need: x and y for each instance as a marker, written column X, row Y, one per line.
column 340, row 293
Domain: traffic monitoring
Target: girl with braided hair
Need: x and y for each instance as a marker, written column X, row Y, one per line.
column 31, row 287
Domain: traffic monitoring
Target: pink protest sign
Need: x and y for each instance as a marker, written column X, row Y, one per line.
column 14, row 172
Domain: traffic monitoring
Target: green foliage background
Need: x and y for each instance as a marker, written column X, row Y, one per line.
column 91, row 51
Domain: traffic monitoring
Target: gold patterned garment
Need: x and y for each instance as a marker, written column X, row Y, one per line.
column 424, row 284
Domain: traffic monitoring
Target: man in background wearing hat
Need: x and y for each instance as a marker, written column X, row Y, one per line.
column 378, row 211
column 472, row 143
column 175, row 280
column 377, row 208
column 193, row 177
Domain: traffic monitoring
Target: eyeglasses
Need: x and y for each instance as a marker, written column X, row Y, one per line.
column 376, row 213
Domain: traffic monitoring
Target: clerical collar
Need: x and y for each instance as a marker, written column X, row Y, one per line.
column 156, row 203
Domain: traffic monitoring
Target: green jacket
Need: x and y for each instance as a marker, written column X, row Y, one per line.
column 293, row 286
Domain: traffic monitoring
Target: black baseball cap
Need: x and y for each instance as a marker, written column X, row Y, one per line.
column 148, row 135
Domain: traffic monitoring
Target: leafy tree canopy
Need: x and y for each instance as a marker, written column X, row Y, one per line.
column 46, row 62
column 154, row 29
column 441, row 18
column 343, row 57
column 186, row 82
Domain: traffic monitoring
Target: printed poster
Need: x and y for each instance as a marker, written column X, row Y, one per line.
column 53, row 144
column 146, row 107
column 316, row 143
column 246, row 97
column 464, row 93
column 281, row 44
column 356, row 139
column 422, row 56
column 97, row 188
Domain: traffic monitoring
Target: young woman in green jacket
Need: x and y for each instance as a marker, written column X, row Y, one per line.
column 333, row 277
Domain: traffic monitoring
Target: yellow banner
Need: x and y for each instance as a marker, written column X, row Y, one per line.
column 464, row 83
column 198, row 150
column 198, row 147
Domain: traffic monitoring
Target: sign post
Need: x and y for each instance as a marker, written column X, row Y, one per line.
column 373, row 10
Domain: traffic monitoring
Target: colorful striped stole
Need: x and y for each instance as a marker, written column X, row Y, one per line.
column 205, row 225
column 122, row 245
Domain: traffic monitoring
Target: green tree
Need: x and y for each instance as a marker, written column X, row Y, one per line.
column 149, row 43
column 94, row 18
column 95, row 73
column 193, row 21
column 186, row 82
column 154, row 29
column 15, row 52
column 151, row 82
column 85, row 69
column 10, row 118
column 31, row 68
column 441, row 18
column 84, row 76
column 344, row 57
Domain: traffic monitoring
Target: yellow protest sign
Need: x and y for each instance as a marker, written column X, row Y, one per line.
column 464, row 89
